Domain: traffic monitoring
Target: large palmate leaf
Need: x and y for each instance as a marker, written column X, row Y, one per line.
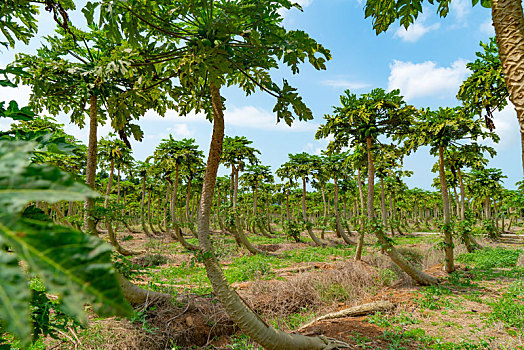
column 22, row 182
column 72, row 265
column 12, row 111
column 14, row 296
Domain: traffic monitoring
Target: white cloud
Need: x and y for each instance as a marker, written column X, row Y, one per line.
column 250, row 117
column 346, row 84
column 487, row 28
column 460, row 8
column 181, row 131
column 416, row 31
column 313, row 148
column 426, row 78
column 507, row 127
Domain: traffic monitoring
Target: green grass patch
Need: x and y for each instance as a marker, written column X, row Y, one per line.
column 489, row 258
column 510, row 309
column 318, row 254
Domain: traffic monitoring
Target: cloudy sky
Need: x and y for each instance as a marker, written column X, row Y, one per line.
column 427, row 63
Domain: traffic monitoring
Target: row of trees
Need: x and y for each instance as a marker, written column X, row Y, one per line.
column 179, row 54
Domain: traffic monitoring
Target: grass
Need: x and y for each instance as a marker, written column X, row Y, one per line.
column 489, row 258
column 491, row 263
column 318, row 254
column 510, row 309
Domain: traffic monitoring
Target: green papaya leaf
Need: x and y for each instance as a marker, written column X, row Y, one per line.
column 14, row 297
column 75, row 266
column 22, row 182
column 15, row 113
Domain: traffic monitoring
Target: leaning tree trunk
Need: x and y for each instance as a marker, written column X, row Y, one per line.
column 448, row 239
column 114, row 241
column 419, row 276
column 339, row 229
column 89, row 203
column 508, row 20
column 249, row 322
column 304, row 216
column 324, row 213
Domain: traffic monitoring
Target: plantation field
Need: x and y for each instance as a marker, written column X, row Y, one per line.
column 206, row 175
column 480, row 306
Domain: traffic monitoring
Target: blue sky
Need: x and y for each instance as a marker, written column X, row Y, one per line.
column 427, row 63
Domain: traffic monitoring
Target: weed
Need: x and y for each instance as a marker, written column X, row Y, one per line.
column 432, row 298
column 242, row 342
column 489, row 258
column 510, row 309
column 361, row 340
column 248, row 268
column 387, row 276
column 334, row 292
column 140, row 317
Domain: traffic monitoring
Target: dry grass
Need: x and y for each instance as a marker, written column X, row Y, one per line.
column 195, row 322
column 312, row 291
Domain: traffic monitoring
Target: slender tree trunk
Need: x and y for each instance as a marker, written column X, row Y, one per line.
column 462, row 195
column 109, row 182
column 249, row 322
column 174, row 195
column 142, row 202
column 188, row 197
column 235, row 190
column 288, row 215
column 150, row 217
column 339, row 229
column 360, row 245
column 417, row 275
column 304, row 215
column 448, row 239
column 118, row 185
column 89, row 203
column 508, row 20
column 382, row 201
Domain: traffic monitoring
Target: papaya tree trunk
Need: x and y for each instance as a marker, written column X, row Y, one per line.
column 360, row 245
column 339, row 228
column 109, row 182
column 89, row 203
column 448, row 239
column 118, row 185
column 249, row 322
column 142, row 202
column 188, row 197
column 382, row 202
column 508, row 20
column 304, row 215
column 416, row 274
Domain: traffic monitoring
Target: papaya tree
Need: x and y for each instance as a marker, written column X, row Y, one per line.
column 337, row 167
column 208, row 45
column 359, row 121
column 508, row 20
column 87, row 75
column 302, row 167
column 440, row 129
